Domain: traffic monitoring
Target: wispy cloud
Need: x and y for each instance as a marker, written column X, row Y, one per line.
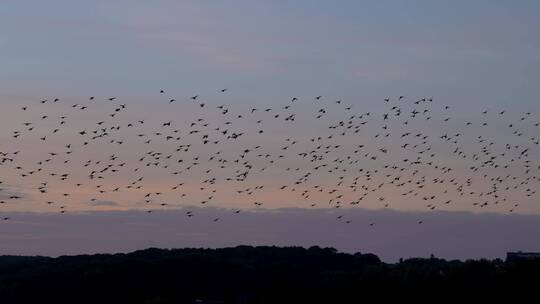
column 198, row 30
column 104, row 203
column 9, row 193
column 383, row 72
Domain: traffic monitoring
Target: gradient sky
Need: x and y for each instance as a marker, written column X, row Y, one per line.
column 471, row 55
column 483, row 52
column 449, row 235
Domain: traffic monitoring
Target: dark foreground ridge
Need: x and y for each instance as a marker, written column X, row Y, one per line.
column 247, row 274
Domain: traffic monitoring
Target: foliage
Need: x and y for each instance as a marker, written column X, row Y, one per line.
column 247, row 274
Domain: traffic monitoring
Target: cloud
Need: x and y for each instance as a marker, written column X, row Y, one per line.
column 451, row 235
column 6, row 194
column 378, row 72
column 104, row 203
column 198, row 30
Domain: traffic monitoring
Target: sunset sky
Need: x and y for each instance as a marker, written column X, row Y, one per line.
column 471, row 56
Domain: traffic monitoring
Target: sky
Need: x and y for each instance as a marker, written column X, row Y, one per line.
column 471, row 55
column 481, row 51
column 448, row 235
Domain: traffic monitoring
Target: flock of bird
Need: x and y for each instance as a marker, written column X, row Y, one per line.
column 308, row 153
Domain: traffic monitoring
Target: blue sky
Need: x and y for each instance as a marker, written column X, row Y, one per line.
column 464, row 51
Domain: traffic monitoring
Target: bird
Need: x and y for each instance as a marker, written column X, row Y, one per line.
column 312, row 154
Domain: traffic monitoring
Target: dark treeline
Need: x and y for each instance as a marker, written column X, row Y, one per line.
column 257, row 275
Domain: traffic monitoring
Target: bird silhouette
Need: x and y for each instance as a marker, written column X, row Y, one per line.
column 324, row 154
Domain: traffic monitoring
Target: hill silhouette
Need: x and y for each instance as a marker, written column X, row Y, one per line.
column 247, row 274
